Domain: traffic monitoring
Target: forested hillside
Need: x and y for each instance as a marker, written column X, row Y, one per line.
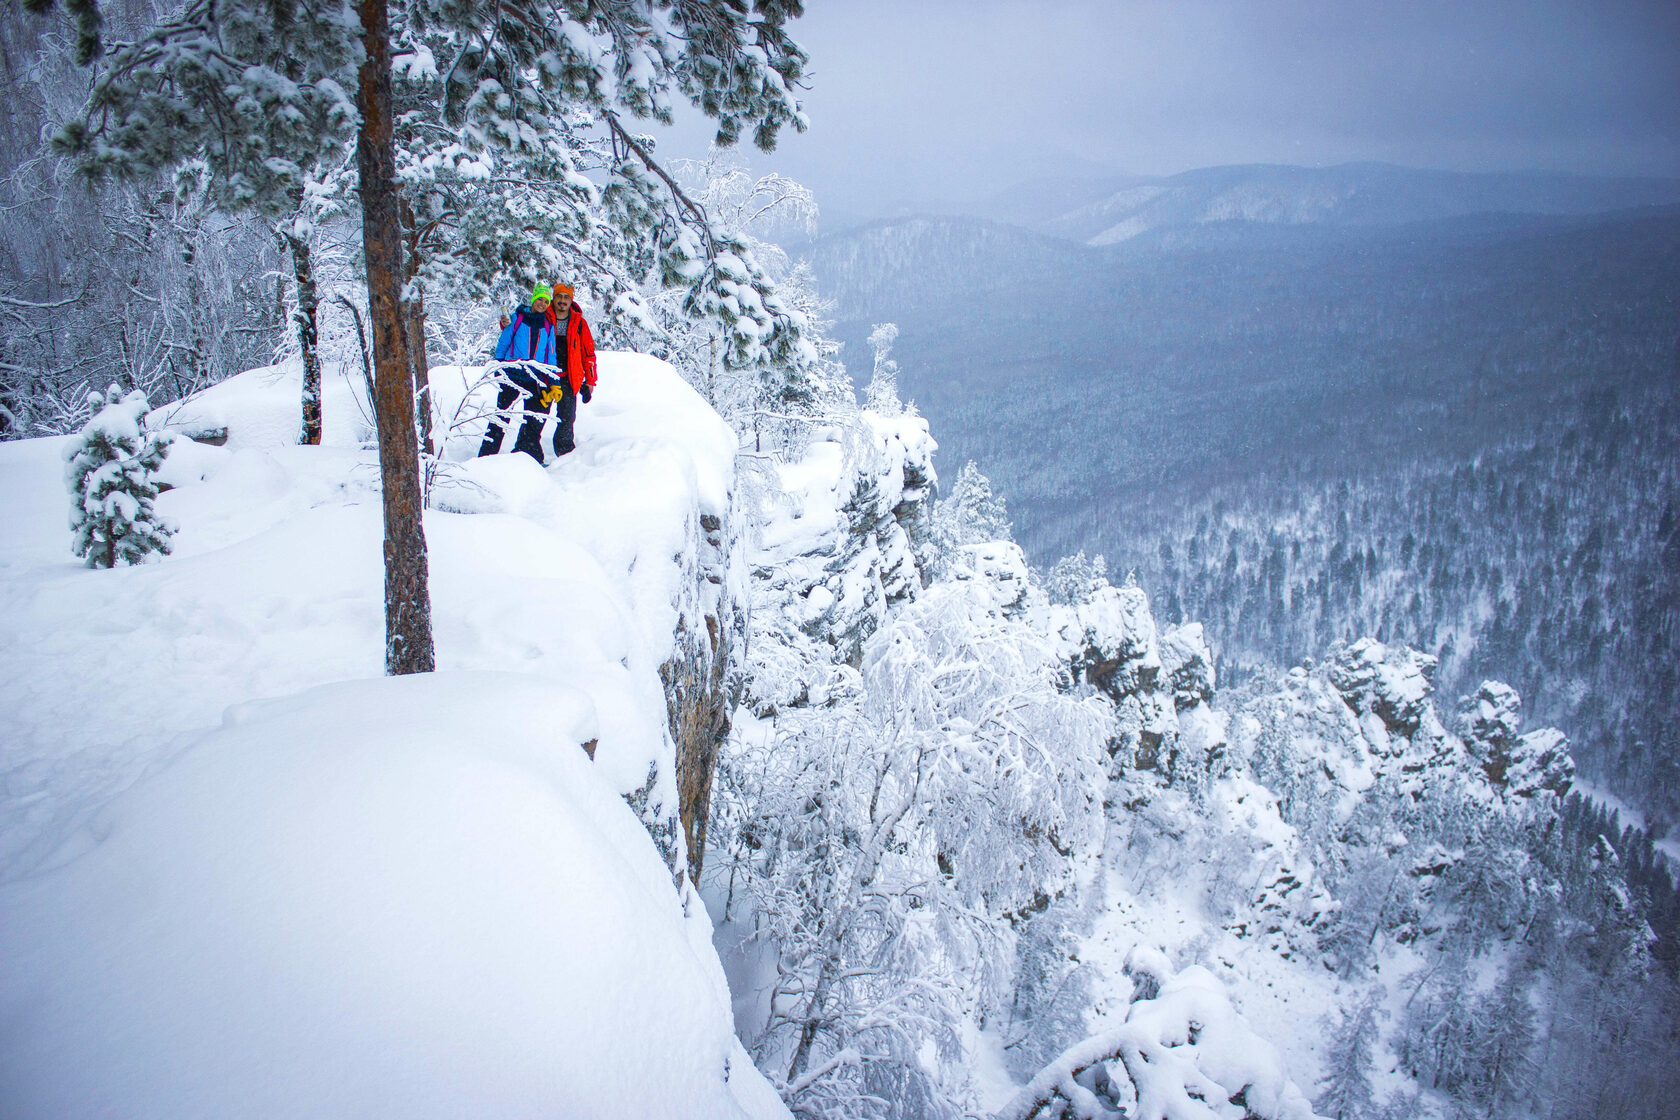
column 1550, row 562
column 1371, row 194
column 1101, row 387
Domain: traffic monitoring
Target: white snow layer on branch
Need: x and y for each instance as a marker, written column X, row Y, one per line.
column 1186, row 1051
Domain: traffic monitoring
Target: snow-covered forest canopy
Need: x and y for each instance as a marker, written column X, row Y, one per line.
column 756, row 765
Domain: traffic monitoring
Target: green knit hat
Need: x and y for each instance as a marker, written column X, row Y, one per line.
column 541, row 291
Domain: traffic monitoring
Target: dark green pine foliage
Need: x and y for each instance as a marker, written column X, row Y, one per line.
column 502, row 111
column 261, row 91
column 521, row 158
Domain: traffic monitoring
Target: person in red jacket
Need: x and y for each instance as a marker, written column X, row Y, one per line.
column 576, row 347
column 577, row 356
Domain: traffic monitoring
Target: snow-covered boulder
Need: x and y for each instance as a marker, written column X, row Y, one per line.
column 1000, row 568
column 261, row 408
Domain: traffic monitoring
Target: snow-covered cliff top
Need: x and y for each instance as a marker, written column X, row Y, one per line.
column 244, row 874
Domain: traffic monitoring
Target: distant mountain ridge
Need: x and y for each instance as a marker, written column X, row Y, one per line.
column 1109, row 211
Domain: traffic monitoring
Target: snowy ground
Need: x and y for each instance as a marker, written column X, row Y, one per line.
column 243, row 874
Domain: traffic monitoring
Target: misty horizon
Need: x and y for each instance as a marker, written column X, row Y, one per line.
column 944, row 102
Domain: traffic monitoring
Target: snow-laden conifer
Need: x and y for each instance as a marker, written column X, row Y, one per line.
column 881, row 394
column 109, row 469
column 972, row 514
column 1072, row 579
column 1345, row 1089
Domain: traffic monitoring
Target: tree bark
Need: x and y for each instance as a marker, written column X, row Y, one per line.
column 307, row 320
column 408, row 604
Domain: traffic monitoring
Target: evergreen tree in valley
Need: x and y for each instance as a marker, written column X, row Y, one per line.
column 1345, row 1091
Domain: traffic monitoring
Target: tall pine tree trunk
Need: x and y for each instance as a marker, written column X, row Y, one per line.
column 408, row 604
column 306, row 318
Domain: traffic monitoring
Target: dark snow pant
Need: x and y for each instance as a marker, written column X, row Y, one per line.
column 519, row 382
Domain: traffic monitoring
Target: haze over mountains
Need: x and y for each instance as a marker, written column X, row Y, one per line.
column 1107, row 211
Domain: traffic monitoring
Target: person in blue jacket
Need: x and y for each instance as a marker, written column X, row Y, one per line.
column 527, row 345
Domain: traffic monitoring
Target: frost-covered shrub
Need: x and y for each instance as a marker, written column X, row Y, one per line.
column 892, row 842
column 109, row 469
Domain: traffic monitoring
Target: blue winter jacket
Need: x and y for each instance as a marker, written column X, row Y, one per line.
column 516, row 344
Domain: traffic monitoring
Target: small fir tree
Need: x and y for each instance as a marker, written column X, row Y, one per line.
column 109, row 471
column 1345, row 1091
column 973, row 514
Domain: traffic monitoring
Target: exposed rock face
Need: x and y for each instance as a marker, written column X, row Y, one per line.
column 1110, row 641
column 1160, row 684
column 1541, row 765
column 1002, row 566
column 1489, row 721
column 1518, row 766
column 1188, row 665
column 702, row 679
column 1392, row 683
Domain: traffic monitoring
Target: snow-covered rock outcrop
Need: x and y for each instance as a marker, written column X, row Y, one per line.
column 839, row 529
column 1161, row 685
column 246, row 875
column 1519, row 766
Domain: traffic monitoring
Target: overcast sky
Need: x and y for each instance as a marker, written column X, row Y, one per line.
column 914, row 101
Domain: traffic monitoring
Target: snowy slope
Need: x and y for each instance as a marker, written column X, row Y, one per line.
column 244, row 874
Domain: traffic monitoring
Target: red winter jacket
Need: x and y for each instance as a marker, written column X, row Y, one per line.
column 580, row 349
